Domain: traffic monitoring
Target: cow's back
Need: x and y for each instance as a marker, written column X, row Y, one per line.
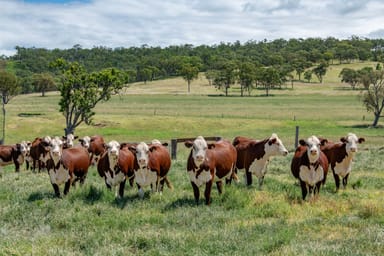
column 335, row 152
column 224, row 156
column 76, row 159
column 126, row 160
column 159, row 159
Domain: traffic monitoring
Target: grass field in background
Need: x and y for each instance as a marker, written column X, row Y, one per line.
column 242, row 221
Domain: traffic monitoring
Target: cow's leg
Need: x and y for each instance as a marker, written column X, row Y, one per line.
column 317, row 188
column 261, row 181
column 56, row 189
column 17, row 166
column 219, row 185
column 168, row 182
column 345, row 181
column 337, row 181
column 67, row 186
column 121, row 188
column 207, row 192
column 141, row 191
column 304, row 189
column 248, row 176
column 196, row 192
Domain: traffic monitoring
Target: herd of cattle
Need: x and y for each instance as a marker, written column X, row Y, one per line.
column 147, row 165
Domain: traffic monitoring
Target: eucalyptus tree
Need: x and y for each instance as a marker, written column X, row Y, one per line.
column 349, row 76
column 269, row 77
column 9, row 88
column 247, row 77
column 81, row 91
column 227, row 72
column 43, row 82
column 320, row 70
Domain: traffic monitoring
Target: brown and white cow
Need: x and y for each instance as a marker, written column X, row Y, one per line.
column 253, row 155
column 151, row 166
column 340, row 156
column 11, row 154
column 39, row 152
column 208, row 163
column 66, row 166
column 26, row 152
column 115, row 166
column 310, row 166
column 95, row 146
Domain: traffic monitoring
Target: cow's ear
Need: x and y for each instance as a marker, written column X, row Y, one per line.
column 302, row 142
column 132, row 148
column 343, row 139
column 165, row 144
column 64, row 137
column 361, row 140
column 272, row 141
column 211, row 145
column 188, row 143
column 76, row 137
column 323, row 142
column 18, row 146
column 152, row 148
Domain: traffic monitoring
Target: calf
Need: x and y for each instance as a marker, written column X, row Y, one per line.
column 39, row 152
column 11, row 154
column 151, row 166
column 207, row 162
column 340, row 156
column 95, row 146
column 253, row 155
column 26, row 152
column 115, row 166
column 66, row 166
column 310, row 166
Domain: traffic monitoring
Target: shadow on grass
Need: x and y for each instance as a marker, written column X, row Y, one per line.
column 182, row 202
column 37, row 196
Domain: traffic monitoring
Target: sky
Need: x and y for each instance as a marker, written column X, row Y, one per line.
column 63, row 24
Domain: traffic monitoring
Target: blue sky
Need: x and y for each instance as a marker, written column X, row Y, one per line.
column 125, row 23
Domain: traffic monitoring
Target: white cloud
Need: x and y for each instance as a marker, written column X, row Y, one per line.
column 123, row 23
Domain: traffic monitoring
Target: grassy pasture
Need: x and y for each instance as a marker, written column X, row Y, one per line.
column 242, row 221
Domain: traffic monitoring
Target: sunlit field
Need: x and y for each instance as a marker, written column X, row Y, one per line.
column 241, row 221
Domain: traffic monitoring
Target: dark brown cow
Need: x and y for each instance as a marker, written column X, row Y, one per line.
column 115, row 166
column 39, row 152
column 310, row 166
column 11, row 154
column 208, row 163
column 253, row 155
column 66, row 165
column 151, row 166
column 340, row 156
column 95, row 146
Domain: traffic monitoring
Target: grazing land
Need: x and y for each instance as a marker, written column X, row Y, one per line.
column 242, row 221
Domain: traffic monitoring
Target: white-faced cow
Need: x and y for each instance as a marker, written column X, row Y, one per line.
column 66, row 166
column 26, row 152
column 115, row 166
column 151, row 166
column 310, row 166
column 253, row 155
column 208, row 163
column 11, row 154
column 95, row 146
column 340, row 156
column 69, row 140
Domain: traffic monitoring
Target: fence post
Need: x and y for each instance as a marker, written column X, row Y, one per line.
column 297, row 137
column 173, row 148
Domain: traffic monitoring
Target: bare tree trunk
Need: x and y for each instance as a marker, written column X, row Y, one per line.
column 3, row 137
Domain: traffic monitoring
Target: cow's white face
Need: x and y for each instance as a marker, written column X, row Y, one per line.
column 85, row 141
column 142, row 156
column 199, row 150
column 113, row 148
column 275, row 146
column 351, row 142
column 56, row 148
column 25, row 147
column 69, row 140
column 313, row 148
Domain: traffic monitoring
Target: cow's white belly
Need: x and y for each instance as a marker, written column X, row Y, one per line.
column 115, row 180
column 60, row 176
column 145, row 177
column 203, row 177
column 343, row 168
column 311, row 176
column 259, row 167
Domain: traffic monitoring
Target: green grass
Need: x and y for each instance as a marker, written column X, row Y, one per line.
column 242, row 221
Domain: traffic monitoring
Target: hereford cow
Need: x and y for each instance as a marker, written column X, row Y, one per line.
column 151, row 166
column 39, row 152
column 11, row 154
column 26, row 152
column 208, row 163
column 310, row 166
column 95, row 146
column 340, row 156
column 69, row 140
column 66, row 165
column 115, row 166
column 253, row 155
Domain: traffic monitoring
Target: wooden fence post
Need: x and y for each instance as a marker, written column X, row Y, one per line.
column 173, row 148
column 297, row 137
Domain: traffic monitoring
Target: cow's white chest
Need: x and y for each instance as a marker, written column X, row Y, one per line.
column 20, row 159
column 116, row 179
column 203, row 177
column 311, row 176
column 343, row 168
column 259, row 167
column 59, row 176
column 145, row 177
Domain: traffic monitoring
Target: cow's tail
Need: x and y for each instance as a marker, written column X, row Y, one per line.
column 169, row 184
